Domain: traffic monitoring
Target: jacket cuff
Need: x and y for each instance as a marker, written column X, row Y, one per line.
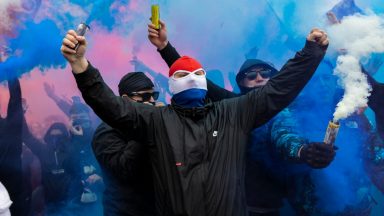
column 313, row 48
column 87, row 78
column 294, row 150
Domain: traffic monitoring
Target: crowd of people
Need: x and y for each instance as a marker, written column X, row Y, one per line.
column 209, row 152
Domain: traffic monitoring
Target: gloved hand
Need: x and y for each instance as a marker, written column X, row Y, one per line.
column 317, row 154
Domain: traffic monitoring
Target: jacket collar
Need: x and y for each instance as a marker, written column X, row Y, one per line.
column 194, row 112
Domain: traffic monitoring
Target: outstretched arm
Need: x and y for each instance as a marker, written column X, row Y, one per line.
column 260, row 105
column 13, row 125
column 62, row 103
column 159, row 38
column 113, row 110
column 15, row 108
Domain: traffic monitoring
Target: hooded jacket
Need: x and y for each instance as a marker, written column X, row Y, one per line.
column 197, row 154
column 54, row 160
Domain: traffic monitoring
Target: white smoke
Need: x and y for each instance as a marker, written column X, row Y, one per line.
column 360, row 36
column 5, row 16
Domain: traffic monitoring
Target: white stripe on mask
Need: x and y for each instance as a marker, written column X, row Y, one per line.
column 191, row 81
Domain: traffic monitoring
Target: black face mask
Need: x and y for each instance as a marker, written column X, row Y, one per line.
column 56, row 141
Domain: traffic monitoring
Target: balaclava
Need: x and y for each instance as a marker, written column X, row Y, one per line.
column 188, row 91
column 57, row 142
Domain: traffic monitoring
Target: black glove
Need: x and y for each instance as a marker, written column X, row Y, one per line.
column 317, row 155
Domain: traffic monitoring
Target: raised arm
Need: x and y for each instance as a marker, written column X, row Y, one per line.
column 113, row 110
column 14, row 120
column 260, row 105
column 63, row 104
column 217, row 93
column 159, row 38
column 15, row 108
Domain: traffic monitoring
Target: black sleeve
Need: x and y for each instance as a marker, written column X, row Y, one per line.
column 14, row 120
column 15, row 108
column 113, row 110
column 216, row 93
column 115, row 152
column 64, row 106
column 260, row 105
column 169, row 54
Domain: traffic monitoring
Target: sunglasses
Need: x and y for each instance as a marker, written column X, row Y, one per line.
column 265, row 74
column 146, row 96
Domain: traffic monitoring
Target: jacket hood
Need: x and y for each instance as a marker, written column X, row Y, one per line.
column 249, row 63
column 59, row 126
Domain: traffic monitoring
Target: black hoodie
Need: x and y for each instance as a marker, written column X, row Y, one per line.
column 54, row 160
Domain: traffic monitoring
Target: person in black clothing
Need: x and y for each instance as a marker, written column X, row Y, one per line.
column 11, row 146
column 124, row 160
column 196, row 147
column 55, row 170
column 272, row 148
column 69, row 170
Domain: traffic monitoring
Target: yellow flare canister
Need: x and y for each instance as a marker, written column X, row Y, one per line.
column 331, row 133
column 155, row 15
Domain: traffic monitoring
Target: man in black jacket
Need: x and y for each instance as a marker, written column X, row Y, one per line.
column 124, row 160
column 197, row 148
column 272, row 148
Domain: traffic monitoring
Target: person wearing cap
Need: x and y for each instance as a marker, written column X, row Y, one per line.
column 124, row 160
column 196, row 147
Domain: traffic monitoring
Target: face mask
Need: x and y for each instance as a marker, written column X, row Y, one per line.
column 190, row 98
column 189, row 91
column 56, row 141
column 191, row 81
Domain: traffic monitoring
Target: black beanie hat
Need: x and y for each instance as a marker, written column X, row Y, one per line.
column 133, row 82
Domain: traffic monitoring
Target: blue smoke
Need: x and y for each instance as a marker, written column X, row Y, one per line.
column 37, row 45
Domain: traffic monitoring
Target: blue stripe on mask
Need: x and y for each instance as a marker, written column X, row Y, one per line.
column 190, row 98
